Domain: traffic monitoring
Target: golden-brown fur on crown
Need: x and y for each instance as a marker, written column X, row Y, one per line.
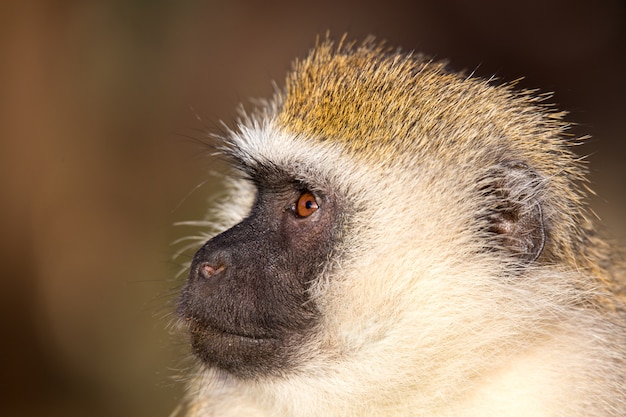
column 390, row 107
column 377, row 102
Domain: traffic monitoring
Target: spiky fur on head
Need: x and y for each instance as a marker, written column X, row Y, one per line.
column 419, row 317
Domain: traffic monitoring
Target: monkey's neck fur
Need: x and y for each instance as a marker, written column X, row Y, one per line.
column 466, row 277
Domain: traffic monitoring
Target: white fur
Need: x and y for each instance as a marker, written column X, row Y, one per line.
column 416, row 319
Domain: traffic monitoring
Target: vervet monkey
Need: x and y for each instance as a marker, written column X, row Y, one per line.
column 402, row 240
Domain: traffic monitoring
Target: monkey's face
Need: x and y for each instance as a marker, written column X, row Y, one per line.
column 246, row 300
column 329, row 263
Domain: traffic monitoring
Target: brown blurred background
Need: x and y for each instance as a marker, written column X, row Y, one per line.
column 95, row 167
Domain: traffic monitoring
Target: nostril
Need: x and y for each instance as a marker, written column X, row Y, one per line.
column 207, row 270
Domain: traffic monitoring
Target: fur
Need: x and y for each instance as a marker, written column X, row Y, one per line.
column 419, row 315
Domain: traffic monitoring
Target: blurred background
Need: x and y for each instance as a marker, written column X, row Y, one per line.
column 97, row 103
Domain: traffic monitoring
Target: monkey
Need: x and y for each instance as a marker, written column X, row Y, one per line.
column 400, row 239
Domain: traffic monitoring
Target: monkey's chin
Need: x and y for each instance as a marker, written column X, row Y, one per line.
column 243, row 356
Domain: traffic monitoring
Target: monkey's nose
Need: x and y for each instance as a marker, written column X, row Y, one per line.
column 207, row 270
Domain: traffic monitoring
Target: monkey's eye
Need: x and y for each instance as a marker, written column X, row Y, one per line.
column 305, row 205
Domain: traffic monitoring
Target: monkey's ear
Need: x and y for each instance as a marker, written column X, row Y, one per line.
column 515, row 215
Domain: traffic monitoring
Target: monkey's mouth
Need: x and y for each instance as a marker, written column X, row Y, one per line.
column 199, row 328
column 239, row 353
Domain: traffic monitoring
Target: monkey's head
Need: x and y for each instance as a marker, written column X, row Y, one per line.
column 392, row 221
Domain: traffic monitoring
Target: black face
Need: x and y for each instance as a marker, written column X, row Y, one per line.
column 246, row 299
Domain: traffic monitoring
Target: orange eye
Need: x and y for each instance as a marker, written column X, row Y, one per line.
column 306, row 205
